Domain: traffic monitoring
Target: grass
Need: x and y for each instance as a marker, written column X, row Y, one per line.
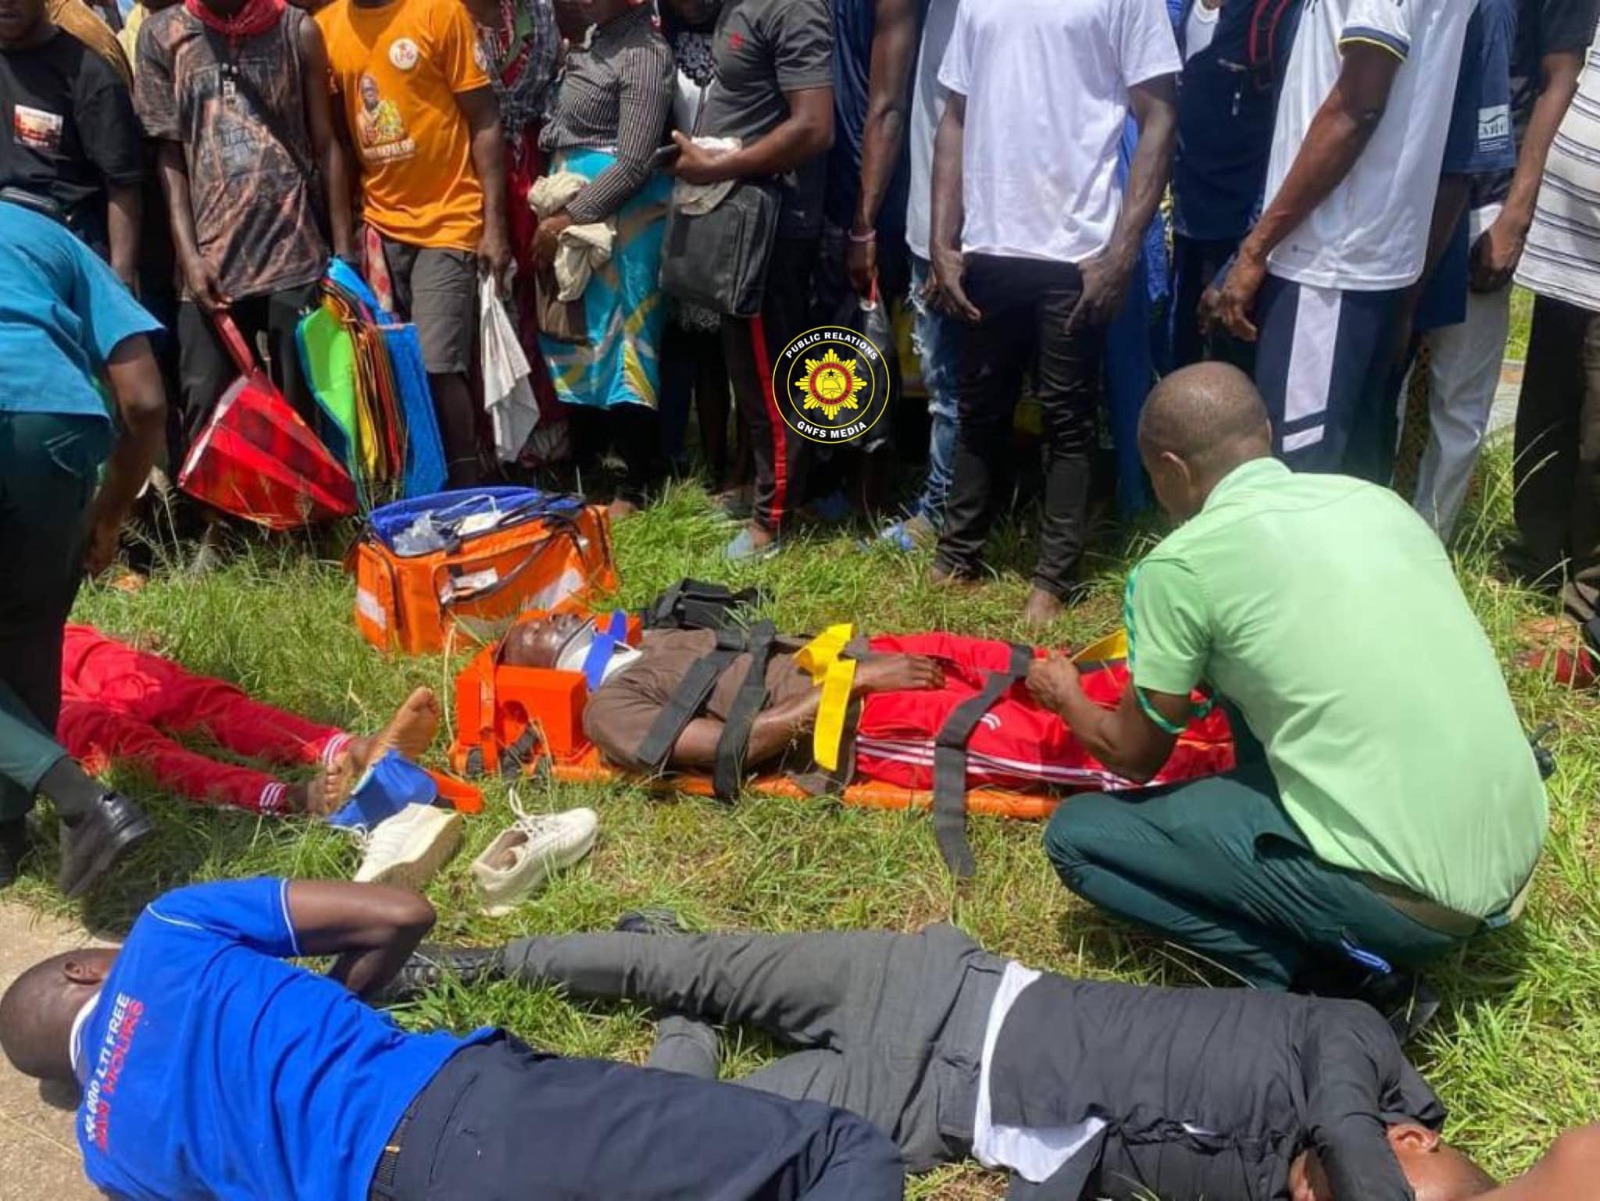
column 1512, row 1055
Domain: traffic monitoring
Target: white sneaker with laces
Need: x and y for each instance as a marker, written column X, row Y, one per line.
column 409, row 847
column 536, row 846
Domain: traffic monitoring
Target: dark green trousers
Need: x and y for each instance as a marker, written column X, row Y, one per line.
column 1218, row 866
column 49, row 466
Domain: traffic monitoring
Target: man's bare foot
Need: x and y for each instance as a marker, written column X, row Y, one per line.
column 620, row 508
column 1042, row 608
column 326, row 791
column 410, row 731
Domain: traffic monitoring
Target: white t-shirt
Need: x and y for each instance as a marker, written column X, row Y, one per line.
column 1034, row 1153
column 1046, row 83
column 927, row 110
column 1200, row 28
column 1371, row 232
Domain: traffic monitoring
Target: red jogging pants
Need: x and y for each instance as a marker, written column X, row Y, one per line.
column 1017, row 744
column 122, row 704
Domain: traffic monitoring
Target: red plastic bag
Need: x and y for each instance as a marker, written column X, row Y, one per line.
column 257, row 458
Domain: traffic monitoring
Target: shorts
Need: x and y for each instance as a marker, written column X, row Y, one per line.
column 436, row 289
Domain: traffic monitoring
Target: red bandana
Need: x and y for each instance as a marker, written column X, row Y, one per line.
column 254, row 19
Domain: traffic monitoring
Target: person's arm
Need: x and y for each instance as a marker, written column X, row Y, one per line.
column 1568, row 1170
column 332, row 158
column 205, row 289
column 645, row 102
column 1338, row 134
column 370, row 928
column 1106, row 274
column 1499, row 249
column 1126, row 739
column 124, row 205
column 141, row 402
column 806, row 133
column 776, row 729
column 894, row 50
column 482, row 112
column 946, row 262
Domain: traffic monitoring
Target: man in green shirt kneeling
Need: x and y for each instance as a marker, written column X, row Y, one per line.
column 1386, row 804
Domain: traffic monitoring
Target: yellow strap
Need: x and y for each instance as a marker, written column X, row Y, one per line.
column 821, row 659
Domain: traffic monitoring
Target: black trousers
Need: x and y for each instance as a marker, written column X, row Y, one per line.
column 205, row 369
column 1557, row 464
column 503, row 1123
column 634, row 432
column 780, row 456
column 1025, row 304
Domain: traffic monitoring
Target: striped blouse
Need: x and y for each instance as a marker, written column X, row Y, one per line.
column 615, row 94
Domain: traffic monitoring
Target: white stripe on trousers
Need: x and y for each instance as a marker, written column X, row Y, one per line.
column 1311, row 356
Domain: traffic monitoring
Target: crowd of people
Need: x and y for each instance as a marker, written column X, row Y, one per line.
column 1236, row 236
column 1353, row 188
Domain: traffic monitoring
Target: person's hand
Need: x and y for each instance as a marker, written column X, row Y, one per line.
column 898, row 673
column 697, row 165
column 204, row 286
column 1053, row 681
column 547, row 239
column 861, row 261
column 105, row 539
column 494, row 254
column 1495, row 255
column 1105, row 287
column 1230, row 304
column 944, row 289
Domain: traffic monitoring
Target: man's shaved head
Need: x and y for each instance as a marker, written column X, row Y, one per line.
column 1197, row 426
column 38, row 1010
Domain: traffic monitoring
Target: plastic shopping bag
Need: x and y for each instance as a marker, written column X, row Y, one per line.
column 507, row 392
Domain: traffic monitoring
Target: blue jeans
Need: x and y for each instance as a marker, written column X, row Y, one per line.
column 937, row 340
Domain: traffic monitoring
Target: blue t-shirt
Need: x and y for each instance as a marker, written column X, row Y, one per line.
column 1227, row 102
column 211, row 1068
column 854, row 24
column 1479, row 144
column 62, row 314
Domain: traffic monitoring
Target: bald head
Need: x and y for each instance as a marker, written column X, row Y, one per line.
column 1197, row 426
column 37, row 1011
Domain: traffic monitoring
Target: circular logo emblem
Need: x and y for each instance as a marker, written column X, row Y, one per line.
column 831, row 384
column 403, row 53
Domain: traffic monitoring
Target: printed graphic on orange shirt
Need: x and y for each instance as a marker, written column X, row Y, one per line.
column 379, row 126
column 37, row 129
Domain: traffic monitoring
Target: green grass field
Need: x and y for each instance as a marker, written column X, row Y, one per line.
column 1513, row 1055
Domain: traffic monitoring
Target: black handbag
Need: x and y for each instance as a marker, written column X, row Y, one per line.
column 719, row 260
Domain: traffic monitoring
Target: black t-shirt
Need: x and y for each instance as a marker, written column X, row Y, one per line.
column 70, row 131
column 1546, row 27
column 763, row 49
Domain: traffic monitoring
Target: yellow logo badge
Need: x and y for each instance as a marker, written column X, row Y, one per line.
column 831, row 384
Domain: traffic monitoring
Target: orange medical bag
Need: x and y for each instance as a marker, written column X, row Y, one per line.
column 539, row 556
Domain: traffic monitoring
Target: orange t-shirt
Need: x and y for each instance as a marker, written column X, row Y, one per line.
column 399, row 68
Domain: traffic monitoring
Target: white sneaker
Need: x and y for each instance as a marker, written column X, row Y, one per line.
column 535, row 847
column 409, row 847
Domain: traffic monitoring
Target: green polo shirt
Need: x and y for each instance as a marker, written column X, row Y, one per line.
column 1329, row 614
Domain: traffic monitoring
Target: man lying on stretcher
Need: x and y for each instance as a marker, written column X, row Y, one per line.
column 869, row 708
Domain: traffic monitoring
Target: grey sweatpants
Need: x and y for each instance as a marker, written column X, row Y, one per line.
column 888, row 1026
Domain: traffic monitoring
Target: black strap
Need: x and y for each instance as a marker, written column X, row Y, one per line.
column 515, row 757
column 688, row 700
column 950, row 763
column 727, row 774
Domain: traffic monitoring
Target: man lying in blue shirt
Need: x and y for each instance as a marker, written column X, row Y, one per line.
column 212, row 1068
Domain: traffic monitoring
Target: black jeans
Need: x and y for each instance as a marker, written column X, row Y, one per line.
column 1025, row 304
column 781, row 457
column 503, row 1123
column 205, row 369
column 1557, row 465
